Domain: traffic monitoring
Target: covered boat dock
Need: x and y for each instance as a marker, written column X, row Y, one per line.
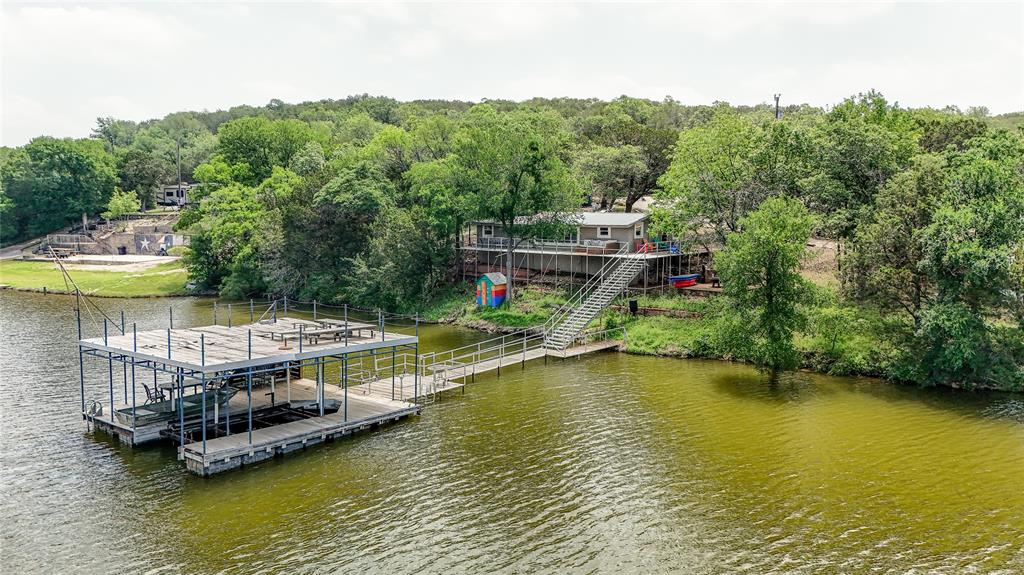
column 238, row 394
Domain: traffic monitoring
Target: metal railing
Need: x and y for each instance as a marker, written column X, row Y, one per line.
column 606, row 247
column 581, row 294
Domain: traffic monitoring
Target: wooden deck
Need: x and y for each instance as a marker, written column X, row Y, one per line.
column 227, row 452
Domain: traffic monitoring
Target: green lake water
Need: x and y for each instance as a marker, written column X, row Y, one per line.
column 610, row 463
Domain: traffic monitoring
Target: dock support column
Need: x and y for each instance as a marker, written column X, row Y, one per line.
column 392, row 373
column 344, row 385
column 416, row 371
column 288, row 381
column 202, row 380
column 248, row 381
column 135, row 349
column 181, row 416
column 81, row 362
column 251, row 311
column 110, row 371
column 229, row 315
column 320, row 385
column 124, row 365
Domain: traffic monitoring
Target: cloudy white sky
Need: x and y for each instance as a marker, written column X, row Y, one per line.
column 63, row 65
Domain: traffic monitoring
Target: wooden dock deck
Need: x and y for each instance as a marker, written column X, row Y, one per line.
column 223, row 453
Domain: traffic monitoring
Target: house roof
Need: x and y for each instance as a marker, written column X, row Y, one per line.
column 591, row 219
column 608, row 219
column 496, row 278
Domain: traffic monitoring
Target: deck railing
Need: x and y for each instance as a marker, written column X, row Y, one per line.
column 586, row 246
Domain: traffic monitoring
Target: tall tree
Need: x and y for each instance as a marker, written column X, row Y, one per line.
column 759, row 271
column 614, row 172
column 52, row 181
column 141, row 173
column 512, row 165
column 883, row 264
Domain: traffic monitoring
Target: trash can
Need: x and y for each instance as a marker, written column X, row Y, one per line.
column 633, row 307
column 122, row 251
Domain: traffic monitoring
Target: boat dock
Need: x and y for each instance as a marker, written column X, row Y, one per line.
column 233, row 395
column 237, row 394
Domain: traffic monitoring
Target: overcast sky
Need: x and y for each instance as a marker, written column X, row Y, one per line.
column 63, row 65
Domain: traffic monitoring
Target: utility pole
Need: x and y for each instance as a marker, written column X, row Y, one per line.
column 778, row 113
column 179, row 163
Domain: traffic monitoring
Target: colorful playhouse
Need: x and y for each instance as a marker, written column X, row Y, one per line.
column 491, row 289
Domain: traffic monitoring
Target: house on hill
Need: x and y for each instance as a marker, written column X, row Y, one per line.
column 591, row 247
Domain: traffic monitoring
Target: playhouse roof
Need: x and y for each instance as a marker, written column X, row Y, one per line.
column 495, row 278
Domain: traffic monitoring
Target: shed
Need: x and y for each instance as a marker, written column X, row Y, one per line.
column 491, row 289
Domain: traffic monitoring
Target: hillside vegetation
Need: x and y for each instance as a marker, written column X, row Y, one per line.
column 363, row 199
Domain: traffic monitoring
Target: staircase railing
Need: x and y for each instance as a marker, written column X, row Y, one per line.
column 577, row 298
column 589, row 288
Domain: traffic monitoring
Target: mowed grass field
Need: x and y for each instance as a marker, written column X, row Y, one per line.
column 161, row 280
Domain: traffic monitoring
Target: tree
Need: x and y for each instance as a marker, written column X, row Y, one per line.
column 861, row 144
column 116, row 133
column 51, row 181
column 512, row 165
column 614, row 172
column 883, row 264
column 724, row 169
column 759, row 271
column 142, row 173
column 263, row 143
column 121, row 203
column 225, row 248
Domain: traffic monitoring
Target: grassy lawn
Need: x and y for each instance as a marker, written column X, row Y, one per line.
column 161, row 280
column 531, row 306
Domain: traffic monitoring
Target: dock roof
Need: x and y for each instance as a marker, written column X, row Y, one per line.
column 218, row 348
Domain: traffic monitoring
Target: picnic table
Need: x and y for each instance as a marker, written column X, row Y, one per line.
column 333, row 329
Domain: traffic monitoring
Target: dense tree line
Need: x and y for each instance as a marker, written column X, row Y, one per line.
column 363, row 199
column 927, row 206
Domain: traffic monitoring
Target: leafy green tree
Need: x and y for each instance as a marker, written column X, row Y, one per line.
column 142, row 173
column 614, row 172
column 861, row 144
column 262, row 144
column 116, row 133
column 225, row 248
column 883, row 264
column 724, row 169
column 439, row 189
column 309, row 161
column 512, row 165
column 759, row 271
column 121, row 204
column 52, row 181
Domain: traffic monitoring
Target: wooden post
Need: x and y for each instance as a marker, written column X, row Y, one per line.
column 252, row 309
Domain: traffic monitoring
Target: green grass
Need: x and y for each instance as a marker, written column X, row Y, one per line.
column 162, row 280
column 448, row 305
column 530, row 306
column 670, row 336
column 674, row 302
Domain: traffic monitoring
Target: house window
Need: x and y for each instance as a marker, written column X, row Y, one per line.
column 638, row 231
column 170, row 194
column 604, row 232
column 487, row 231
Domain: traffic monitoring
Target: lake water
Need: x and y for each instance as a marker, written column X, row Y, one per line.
column 609, row 463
